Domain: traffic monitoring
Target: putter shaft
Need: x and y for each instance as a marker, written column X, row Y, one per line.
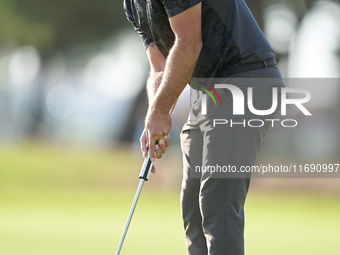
column 144, row 175
column 139, row 189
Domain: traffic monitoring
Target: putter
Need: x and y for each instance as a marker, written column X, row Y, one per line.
column 143, row 176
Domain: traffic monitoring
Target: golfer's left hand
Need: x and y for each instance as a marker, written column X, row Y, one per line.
column 158, row 126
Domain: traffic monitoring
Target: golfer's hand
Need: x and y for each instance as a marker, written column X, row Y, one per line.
column 157, row 126
column 162, row 144
column 160, row 147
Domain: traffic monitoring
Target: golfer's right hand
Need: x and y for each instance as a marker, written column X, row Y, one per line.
column 160, row 147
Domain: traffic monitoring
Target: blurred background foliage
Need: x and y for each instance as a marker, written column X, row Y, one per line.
column 63, row 25
column 72, row 104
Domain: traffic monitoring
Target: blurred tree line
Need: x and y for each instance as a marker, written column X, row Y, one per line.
column 63, row 24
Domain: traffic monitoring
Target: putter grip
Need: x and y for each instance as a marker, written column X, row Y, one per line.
column 146, row 168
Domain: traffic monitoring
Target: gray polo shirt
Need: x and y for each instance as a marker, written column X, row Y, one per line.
column 230, row 33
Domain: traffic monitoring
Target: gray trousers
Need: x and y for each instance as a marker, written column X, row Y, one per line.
column 213, row 206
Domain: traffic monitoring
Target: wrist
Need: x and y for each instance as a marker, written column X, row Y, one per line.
column 159, row 106
column 156, row 112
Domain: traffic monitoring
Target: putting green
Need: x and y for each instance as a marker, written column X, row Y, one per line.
column 55, row 202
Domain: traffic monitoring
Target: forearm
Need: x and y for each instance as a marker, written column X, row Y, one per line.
column 154, row 81
column 179, row 68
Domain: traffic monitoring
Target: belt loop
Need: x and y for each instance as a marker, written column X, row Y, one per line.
column 265, row 64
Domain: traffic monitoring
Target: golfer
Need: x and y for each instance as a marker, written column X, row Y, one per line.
column 187, row 39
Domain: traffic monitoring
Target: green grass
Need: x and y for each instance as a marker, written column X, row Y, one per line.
column 291, row 223
column 89, row 224
column 59, row 201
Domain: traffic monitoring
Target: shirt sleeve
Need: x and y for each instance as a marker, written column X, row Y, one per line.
column 174, row 7
column 130, row 17
column 146, row 40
